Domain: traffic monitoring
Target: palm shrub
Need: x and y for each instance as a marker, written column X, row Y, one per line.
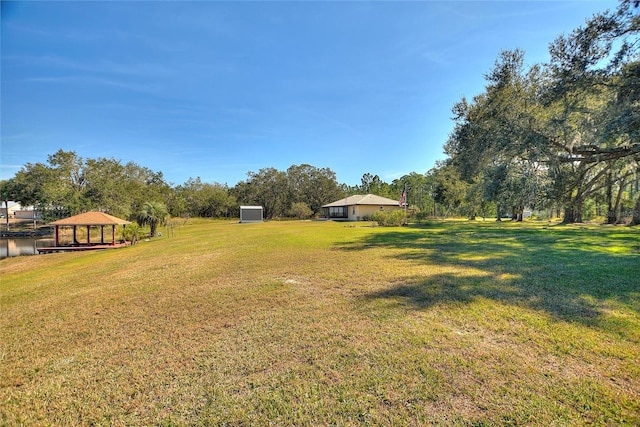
column 132, row 233
column 153, row 214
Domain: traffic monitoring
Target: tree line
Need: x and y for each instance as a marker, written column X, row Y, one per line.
column 68, row 184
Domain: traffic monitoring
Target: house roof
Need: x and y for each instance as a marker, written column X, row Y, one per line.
column 12, row 205
column 367, row 199
column 91, row 218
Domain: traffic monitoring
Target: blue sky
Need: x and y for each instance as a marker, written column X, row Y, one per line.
column 218, row 89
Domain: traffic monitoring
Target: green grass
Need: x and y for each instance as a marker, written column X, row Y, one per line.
column 317, row 323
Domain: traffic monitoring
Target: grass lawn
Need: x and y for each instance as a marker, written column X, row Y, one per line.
column 319, row 323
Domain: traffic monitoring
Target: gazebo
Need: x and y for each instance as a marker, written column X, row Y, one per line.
column 89, row 219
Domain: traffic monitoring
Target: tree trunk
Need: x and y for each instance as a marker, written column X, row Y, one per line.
column 569, row 215
column 611, row 211
column 636, row 213
column 498, row 213
column 520, row 213
column 618, row 205
column 6, row 204
column 572, row 213
column 612, row 216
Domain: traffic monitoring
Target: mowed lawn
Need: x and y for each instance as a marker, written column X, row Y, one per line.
column 324, row 323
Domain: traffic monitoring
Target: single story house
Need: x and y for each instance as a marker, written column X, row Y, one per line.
column 9, row 210
column 15, row 210
column 358, row 207
column 27, row 214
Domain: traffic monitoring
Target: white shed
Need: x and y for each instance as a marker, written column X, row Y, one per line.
column 251, row 214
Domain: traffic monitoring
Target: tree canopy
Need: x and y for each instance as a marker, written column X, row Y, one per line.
column 562, row 133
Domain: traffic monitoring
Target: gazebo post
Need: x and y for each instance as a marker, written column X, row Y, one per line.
column 102, row 234
column 113, row 234
column 88, row 234
column 75, row 239
column 57, row 237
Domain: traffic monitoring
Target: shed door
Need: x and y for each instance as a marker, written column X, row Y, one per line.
column 252, row 215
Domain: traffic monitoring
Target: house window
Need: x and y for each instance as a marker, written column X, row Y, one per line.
column 353, row 212
column 338, row 212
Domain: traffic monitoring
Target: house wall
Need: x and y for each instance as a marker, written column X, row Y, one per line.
column 13, row 207
column 27, row 214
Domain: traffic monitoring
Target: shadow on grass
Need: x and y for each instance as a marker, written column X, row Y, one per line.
column 571, row 273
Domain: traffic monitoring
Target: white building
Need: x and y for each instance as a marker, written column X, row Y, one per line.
column 359, row 207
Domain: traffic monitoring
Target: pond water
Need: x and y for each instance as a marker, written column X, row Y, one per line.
column 22, row 246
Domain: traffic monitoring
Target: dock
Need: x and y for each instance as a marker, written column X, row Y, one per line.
column 78, row 248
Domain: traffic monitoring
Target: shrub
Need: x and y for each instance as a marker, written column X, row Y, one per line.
column 132, row 233
column 422, row 216
column 389, row 219
column 300, row 210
